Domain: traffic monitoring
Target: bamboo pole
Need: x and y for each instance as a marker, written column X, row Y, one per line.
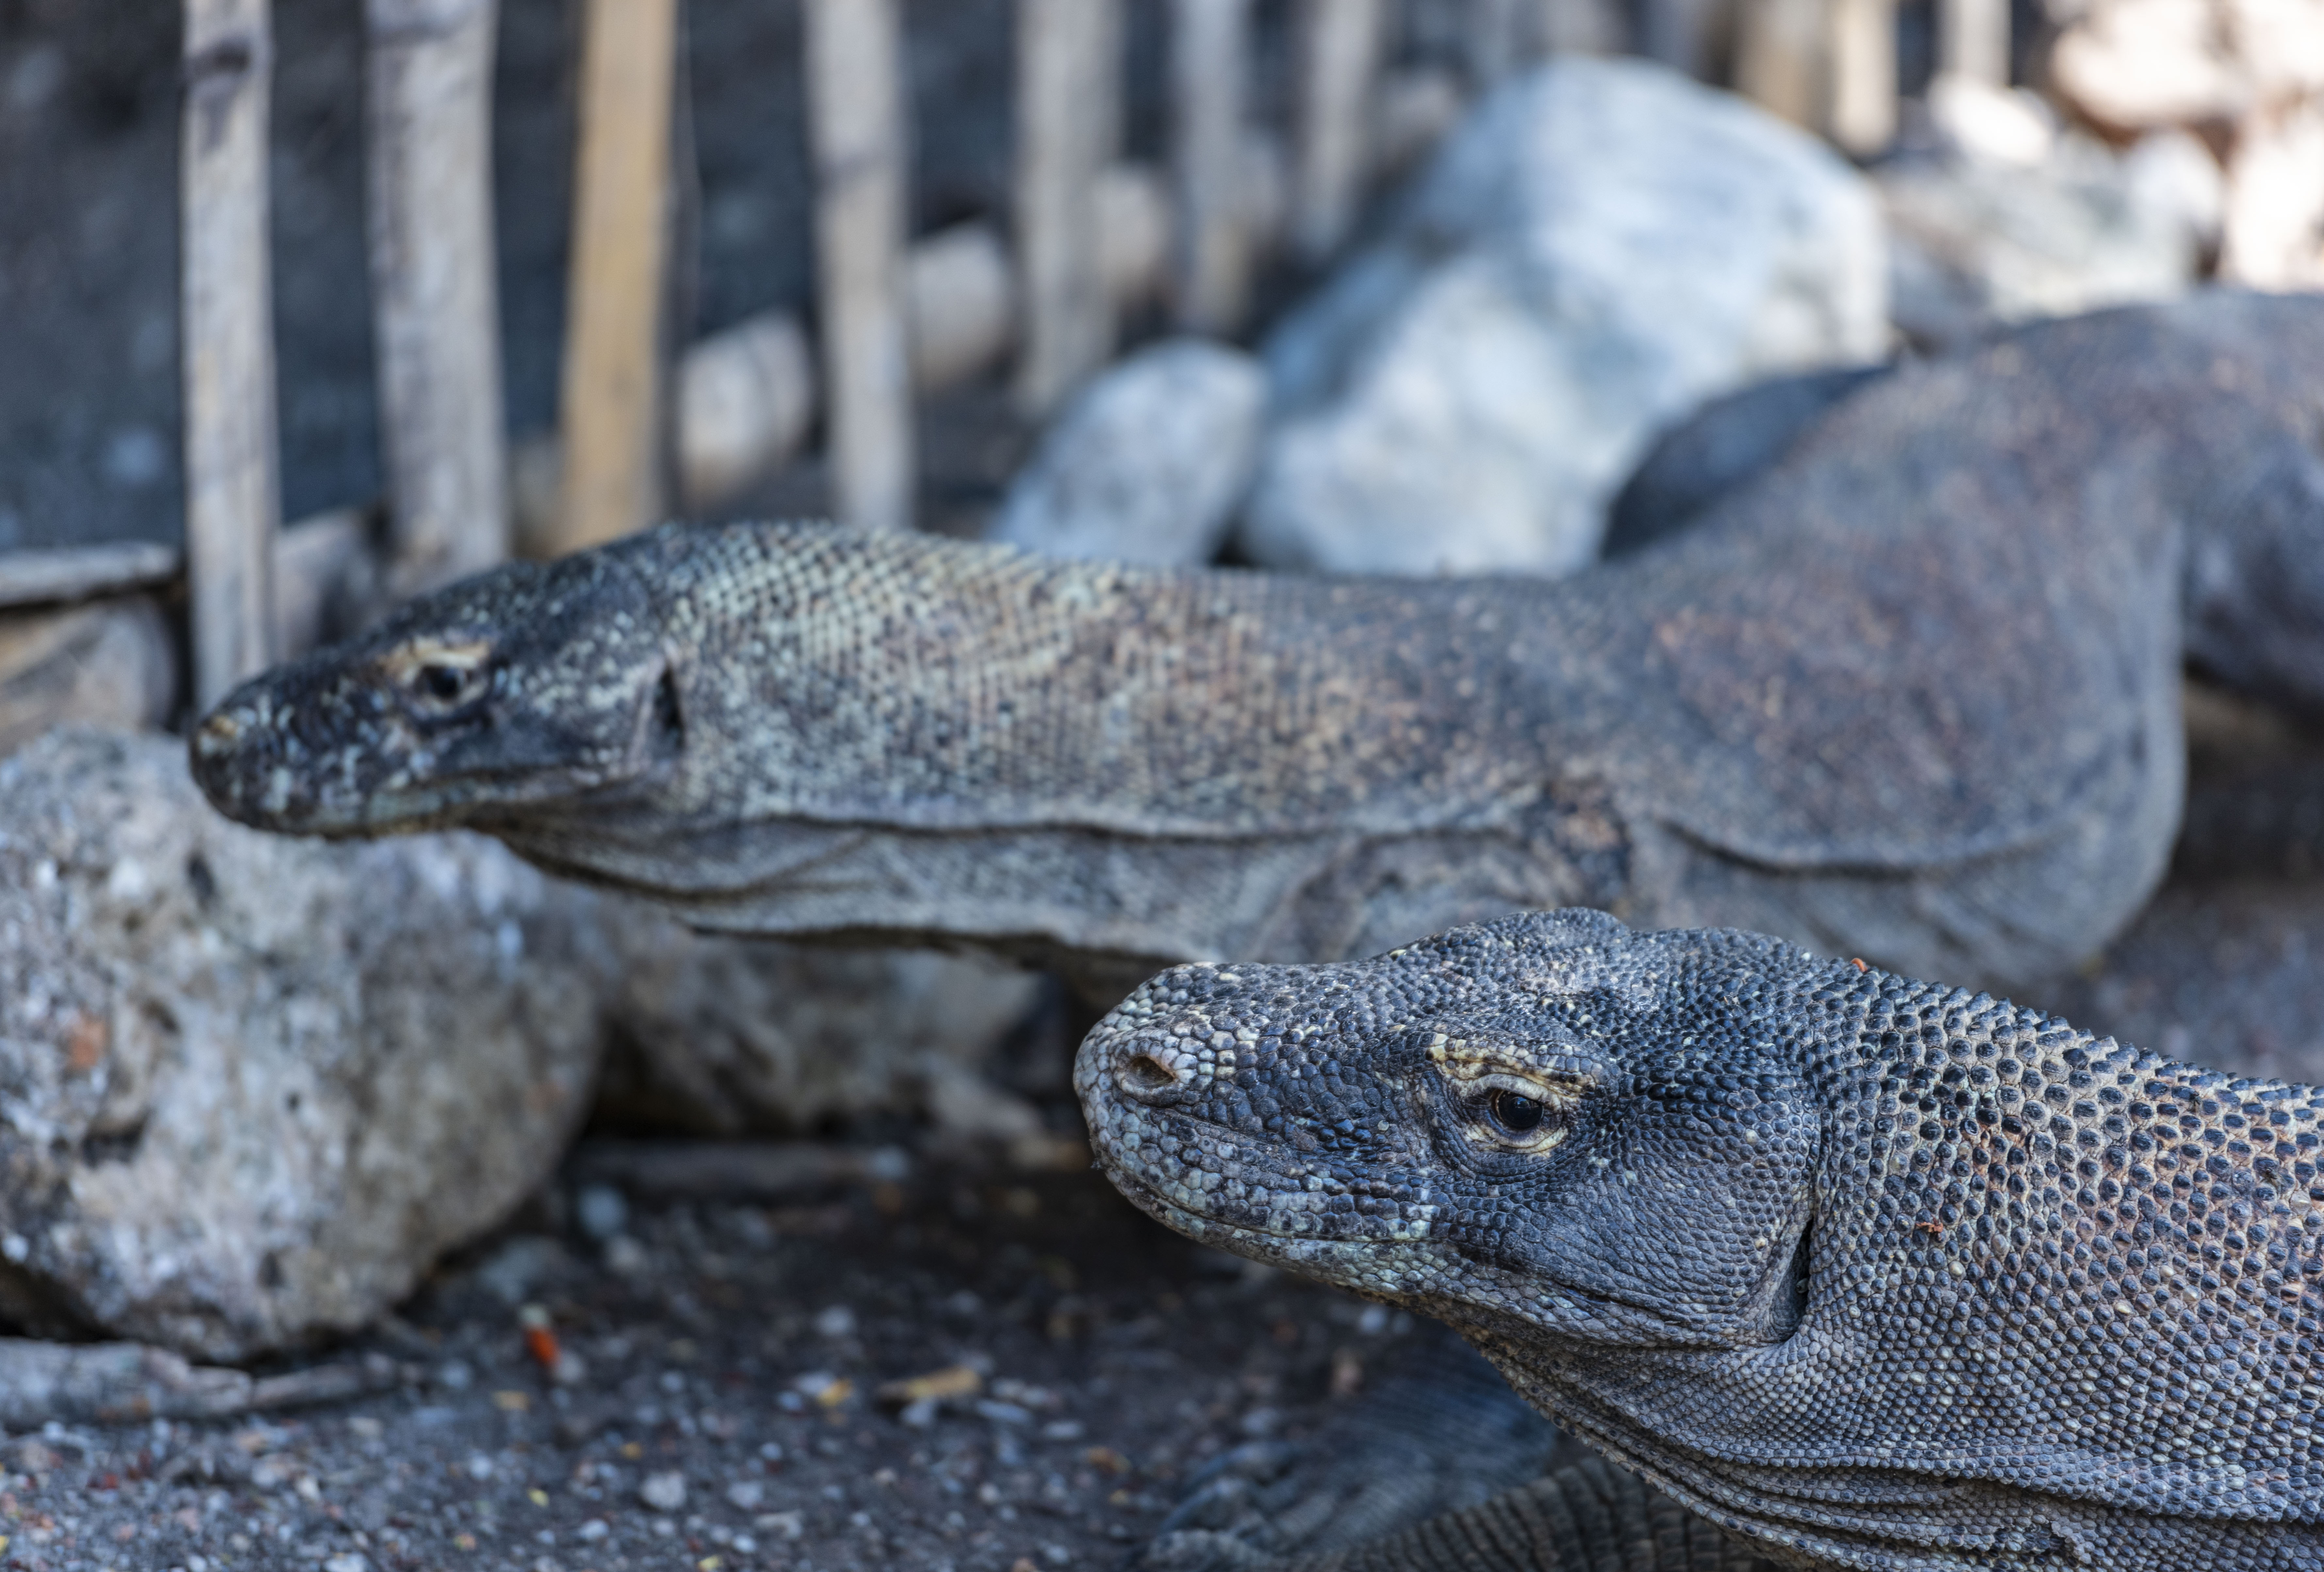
column 1210, row 264
column 610, row 417
column 435, row 303
column 855, row 123
column 1338, row 44
column 232, row 489
column 1973, row 40
column 1068, row 129
column 1863, row 118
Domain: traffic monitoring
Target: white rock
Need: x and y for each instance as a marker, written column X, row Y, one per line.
column 664, row 1492
column 1600, row 246
column 1146, row 463
column 1977, row 241
column 2275, row 220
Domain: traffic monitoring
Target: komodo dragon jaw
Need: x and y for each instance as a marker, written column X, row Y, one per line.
column 514, row 691
column 1872, row 1273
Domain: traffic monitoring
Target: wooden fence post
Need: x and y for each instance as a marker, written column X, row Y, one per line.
column 233, row 488
column 610, row 416
column 1863, row 115
column 1973, row 40
column 1068, row 129
column 1210, row 271
column 1338, row 44
column 1781, row 55
column 435, row 302
column 856, row 127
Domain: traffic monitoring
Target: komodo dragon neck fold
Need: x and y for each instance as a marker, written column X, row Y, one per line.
column 1869, row 1272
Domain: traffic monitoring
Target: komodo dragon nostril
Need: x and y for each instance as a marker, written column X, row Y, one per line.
column 1145, row 1073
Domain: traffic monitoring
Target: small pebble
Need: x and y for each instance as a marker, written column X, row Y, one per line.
column 664, row 1492
column 838, row 1321
column 745, row 1495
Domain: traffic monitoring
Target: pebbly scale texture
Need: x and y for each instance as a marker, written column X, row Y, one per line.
column 1911, row 693
column 1868, row 1272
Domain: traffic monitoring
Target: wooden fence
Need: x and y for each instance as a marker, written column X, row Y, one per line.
column 642, row 428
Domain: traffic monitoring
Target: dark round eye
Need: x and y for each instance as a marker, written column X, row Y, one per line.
column 443, row 683
column 1515, row 1112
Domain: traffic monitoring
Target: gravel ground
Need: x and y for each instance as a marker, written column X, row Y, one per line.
column 720, row 1405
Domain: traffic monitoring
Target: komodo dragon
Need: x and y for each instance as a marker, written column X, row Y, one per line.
column 1912, row 692
column 1866, row 1273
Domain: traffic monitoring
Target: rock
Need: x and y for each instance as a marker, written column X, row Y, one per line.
column 2134, row 65
column 736, row 1037
column 1978, row 240
column 2274, row 224
column 1147, row 462
column 250, row 1087
column 107, row 664
column 664, row 1492
column 1600, row 247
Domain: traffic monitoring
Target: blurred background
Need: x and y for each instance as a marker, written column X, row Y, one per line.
column 1049, row 189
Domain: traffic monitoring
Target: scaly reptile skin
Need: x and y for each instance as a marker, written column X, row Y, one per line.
column 1867, row 1271
column 1911, row 693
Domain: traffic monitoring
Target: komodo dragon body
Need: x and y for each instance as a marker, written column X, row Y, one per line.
column 1868, row 1272
column 1911, row 693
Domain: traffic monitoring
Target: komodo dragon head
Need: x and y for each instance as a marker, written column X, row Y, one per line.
column 1874, row 1273
column 524, row 685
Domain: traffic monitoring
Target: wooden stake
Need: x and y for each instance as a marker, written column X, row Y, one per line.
column 1973, row 40
column 435, row 303
column 1494, row 33
column 855, row 124
column 1863, row 75
column 1210, row 271
column 1780, row 55
column 611, row 420
column 1068, row 128
column 233, row 490
column 1339, row 43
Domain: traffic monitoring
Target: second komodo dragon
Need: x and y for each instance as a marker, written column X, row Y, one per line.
column 1910, row 694
column 1865, row 1272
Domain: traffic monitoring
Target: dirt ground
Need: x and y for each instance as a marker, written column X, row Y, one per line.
column 726, row 1410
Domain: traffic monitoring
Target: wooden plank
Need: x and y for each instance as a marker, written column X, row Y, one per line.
column 1211, row 251
column 610, row 417
column 48, row 577
column 856, row 128
column 1973, row 40
column 226, row 314
column 435, row 302
column 1339, row 43
column 1069, row 130
column 1863, row 115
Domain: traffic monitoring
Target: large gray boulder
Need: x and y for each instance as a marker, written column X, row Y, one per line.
column 1601, row 248
column 1146, row 463
column 252, row 1088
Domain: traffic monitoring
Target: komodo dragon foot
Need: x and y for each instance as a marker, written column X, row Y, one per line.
column 1438, row 1431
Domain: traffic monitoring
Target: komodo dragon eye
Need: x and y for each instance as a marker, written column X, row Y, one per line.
column 440, row 675
column 1515, row 1112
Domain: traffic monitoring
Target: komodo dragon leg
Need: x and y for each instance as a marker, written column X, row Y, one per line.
column 1586, row 1517
column 1437, row 1430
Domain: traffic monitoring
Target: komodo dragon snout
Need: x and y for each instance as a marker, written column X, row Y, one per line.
column 523, row 687
column 1868, row 1272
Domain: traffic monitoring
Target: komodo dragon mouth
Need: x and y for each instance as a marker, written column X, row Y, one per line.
column 2007, row 1342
